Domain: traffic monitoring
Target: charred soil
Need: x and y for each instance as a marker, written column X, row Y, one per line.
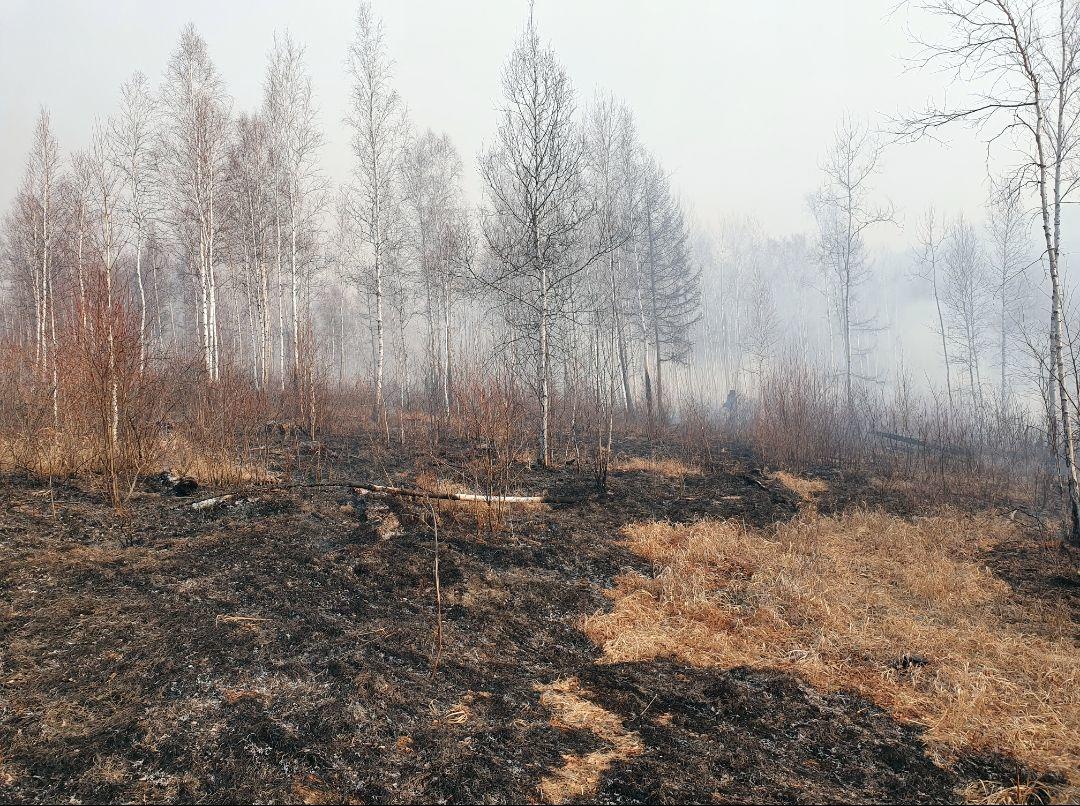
column 281, row 646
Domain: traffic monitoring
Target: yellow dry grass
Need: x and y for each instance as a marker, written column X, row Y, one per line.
column 992, row 794
column 433, row 484
column 671, row 468
column 209, row 466
column 841, row 600
column 580, row 774
column 49, row 453
column 64, row 454
column 806, row 489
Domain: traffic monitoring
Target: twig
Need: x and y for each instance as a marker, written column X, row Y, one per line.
column 758, row 483
column 647, row 707
column 438, row 596
column 240, row 619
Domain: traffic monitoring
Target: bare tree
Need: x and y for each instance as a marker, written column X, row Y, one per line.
column 378, row 122
column 295, row 140
column 740, row 248
column 39, row 190
column 535, row 210
column 441, row 243
column 1009, row 261
column 253, row 231
column 965, row 300
column 845, row 211
column 931, row 235
column 1025, row 53
column 33, row 232
column 762, row 333
column 192, row 146
column 106, row 181
column 615, row 181
column 133, row 132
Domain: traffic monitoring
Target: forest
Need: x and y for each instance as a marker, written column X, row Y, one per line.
column 510, row 476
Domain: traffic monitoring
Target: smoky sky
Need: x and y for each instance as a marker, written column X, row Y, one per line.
column 738, row 100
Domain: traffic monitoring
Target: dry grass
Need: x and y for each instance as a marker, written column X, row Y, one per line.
column 209, row 466
column 671, row 468
column 841, row 601
column 310, row 790
column 807, row 489
column 991, row 794
column 580, row 774
column 61, row 454
column 48, row 454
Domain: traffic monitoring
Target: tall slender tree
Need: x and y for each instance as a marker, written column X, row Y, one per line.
column 379, row 128
column 1026, row 52
column 845, row 210
column 133, row 132
column 192, row 149
column 669, row 294
column 295, row 140
column 535, row 206
column 931, row 237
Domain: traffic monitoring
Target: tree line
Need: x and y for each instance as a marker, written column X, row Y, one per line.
column 219, row 231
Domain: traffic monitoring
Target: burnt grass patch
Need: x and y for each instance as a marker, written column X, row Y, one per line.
column 281, row 647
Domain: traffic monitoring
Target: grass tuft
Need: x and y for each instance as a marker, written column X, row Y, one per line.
column 671, row 468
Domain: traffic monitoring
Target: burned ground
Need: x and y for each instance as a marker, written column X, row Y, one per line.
column 281, row 646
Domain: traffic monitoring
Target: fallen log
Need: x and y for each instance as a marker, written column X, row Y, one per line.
column 206, row 503
column 487, row 499
column 913, row 442
column 408, row 492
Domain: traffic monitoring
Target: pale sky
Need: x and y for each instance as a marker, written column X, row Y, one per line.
column 739, row 100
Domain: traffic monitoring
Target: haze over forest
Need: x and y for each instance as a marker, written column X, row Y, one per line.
column 719, row 96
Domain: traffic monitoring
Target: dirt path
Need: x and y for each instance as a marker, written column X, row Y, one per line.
column 280, row 649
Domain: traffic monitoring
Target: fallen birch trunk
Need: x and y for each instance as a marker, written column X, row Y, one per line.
column 487, row 499
column 206, row 503
column 409, row 492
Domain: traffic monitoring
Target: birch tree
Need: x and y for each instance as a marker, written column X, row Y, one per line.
column 441, row 243
column 132, row 133
column 39, row 193
column 295, row 141
column 254, row 233
column 33, row 229
column 192, row 146
column 615, row 175
column 1021, row 58
column 106, row 181
column 845, row 210
column 377, row 119
column 535, row 207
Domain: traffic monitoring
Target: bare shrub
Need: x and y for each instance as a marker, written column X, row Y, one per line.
column 801, row 418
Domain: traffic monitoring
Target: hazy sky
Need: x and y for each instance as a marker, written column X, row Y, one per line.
column 739, row 99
